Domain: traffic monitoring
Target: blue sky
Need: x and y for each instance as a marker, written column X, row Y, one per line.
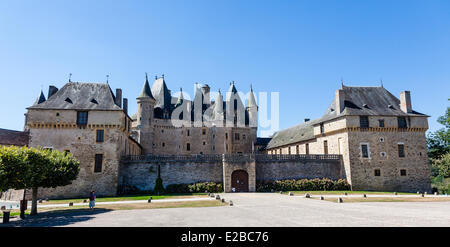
column 300, row 49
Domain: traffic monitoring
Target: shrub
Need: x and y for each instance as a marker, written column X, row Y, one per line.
column 195, row 188
column 159, row 188
column 302, row 185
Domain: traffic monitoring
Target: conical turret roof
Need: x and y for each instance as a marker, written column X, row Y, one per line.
column 251, row 99
column 40, row 98
column 146, row 92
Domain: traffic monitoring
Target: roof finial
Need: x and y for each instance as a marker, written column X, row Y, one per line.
column 107, row 79
column 163, row 76
column 381, row 82
column 251, row 87
column 146, row 77
column 156, row 77
column 181, row 89
column 70, row 77
column 342, row 82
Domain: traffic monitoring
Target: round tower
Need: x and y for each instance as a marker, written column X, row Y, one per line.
column 145, row 105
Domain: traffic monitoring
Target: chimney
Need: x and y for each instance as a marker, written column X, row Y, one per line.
column 339, row 101
column 51, row 90
column 119, row 97
column 405, row 102
column 125, row 105
column 307, row 120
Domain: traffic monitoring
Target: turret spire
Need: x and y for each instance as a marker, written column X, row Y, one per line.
column 146, row 92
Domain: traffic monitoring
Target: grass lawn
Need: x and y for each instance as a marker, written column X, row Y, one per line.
column 321, row 192
column 389, row 199
column 14, row 213
column 131, row 206
column 126, row 198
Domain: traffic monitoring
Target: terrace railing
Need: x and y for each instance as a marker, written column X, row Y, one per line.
column 230, row 157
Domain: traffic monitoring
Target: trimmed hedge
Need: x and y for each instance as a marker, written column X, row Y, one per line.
column 194, row 188
column 302, row 185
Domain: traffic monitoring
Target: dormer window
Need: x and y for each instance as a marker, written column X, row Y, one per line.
column 68, row 100
column 94, row 101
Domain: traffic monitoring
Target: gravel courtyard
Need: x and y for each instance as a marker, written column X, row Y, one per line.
column 265, row 209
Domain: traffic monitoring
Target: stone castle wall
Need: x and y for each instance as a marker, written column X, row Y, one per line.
column 142, row 174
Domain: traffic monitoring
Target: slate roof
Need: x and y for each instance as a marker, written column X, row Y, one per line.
column 358, row 101
column 161, row 94
column 13, row 137
column 40, row 98
column 146, row 92
column 81, row 96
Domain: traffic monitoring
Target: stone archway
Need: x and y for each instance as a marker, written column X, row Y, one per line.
column 239, row 181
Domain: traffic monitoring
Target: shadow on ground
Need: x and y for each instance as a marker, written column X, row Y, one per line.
column 56, row 218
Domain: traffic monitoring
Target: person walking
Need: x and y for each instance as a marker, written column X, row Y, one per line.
column 92, row 200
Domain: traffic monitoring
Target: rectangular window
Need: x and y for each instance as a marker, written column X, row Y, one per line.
column 203, row 131
column 381, row 123
column 289, row 150
column 365, row 150
column 322, row 129
column 236, row 136
column 82, row 118
column 377, row 172
column 100, row 135
column 401, row 150
column 402, row 172
column 325, row 147
column 281, row 151
column 226, row 136
column 364, row 121
column 307, row 148
column 402, row 122
column 297, row 149
column 98, row 163
column 187, row 132
column 188, row 146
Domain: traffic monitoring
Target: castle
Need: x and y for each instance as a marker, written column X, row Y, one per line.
column 367, row 136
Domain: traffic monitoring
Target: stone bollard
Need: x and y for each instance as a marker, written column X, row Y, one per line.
column 231, row 203
column 6, row 214
column 281, row 192
column 395, row 193
column 422, row 195
column 84, row 201
column 70, row 204
column 291, row 194
column 307, row 195
column 212, row 195
column 209, row 194
column 149, row 200
column 364, row 195
column 217, row 197
column 345, row 194
column 223, row 200
column 322, row 198
column 40, row 201
column 340, row 200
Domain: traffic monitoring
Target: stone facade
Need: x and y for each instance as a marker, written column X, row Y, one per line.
column 369, row 118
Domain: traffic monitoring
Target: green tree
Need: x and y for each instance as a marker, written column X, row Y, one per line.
column 438, row 141
column 24, row 168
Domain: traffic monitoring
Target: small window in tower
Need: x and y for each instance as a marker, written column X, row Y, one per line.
column 98, row 163
column 377, row 172
column 381, row 139
column 365, row 150
column 188, row 132
column 401, row 122
column 100, row 135
column 401, row 150
column 307, row 148
column 364, row 121
column 403, row 172
column 204, row 143
column 226, row 136
column 236, row 136
column 203, row 131
column 322, row 129
column 289, row 150
column 325, row 147
column 297, row 149
column 163, row 144
column 188, row 146
column 57, row 114
column 243, row 137
column 381, row 123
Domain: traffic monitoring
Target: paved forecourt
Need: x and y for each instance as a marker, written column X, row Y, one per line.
column 272, row 209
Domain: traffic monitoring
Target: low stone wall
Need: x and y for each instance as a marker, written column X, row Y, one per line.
column 141, row 171
column 266, row 171
column 143, row 175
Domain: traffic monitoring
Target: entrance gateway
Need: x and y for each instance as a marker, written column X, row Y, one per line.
column 239, row 181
